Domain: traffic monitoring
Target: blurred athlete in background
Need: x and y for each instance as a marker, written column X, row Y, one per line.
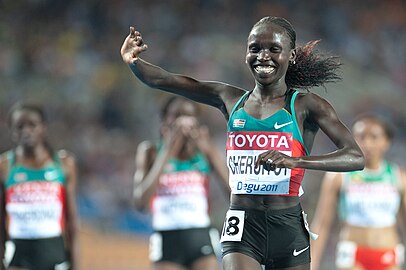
column 39, row 220
column 172, row 178
column 368, row 202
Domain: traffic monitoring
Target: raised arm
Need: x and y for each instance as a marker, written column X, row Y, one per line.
column 220, row 95
column 324, row 215
column 149, row 164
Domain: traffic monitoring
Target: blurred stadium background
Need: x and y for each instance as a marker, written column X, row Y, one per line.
column 65, row 56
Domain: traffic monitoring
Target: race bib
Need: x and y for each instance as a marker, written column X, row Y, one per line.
column 345, row 256
column 233, row 226
column 243, row 149
column 155, row 247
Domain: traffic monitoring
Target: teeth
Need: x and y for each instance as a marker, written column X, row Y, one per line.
column 264, row 69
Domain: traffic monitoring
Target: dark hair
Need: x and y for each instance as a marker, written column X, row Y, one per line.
column 19, row 106
column 167, row 104
column 380, row 120
column 311, row 68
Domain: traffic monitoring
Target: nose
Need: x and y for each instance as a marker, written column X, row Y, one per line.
column 264, row 55
column 367, row 143
column 26, row 129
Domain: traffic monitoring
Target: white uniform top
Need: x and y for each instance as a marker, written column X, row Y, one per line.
column 371, row 198
column 181, row 200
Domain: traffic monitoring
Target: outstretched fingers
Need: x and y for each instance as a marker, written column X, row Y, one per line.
column 137, row 38
column 132, row 32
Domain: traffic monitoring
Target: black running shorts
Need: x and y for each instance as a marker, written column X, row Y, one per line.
column 38, row 254
column 182, row 247
column 275, row 238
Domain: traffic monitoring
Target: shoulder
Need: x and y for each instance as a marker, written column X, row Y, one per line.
column 147, row 150
column 333, row 180
column 230, row 94
column 311, row 100
column 67, row 158
column 315, row 108
column 396, row 167
column 147, row 147
column 3, row 158
column 3, row 165
column 401, row 173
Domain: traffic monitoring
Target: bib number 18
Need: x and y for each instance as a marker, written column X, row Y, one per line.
column 233, row 226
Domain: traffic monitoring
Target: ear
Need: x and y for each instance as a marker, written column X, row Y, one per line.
column 292, row 56
column 388, row 144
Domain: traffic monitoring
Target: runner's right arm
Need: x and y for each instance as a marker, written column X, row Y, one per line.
column 219, row 95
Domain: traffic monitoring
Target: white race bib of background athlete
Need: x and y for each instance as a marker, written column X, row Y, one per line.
column 243, row 149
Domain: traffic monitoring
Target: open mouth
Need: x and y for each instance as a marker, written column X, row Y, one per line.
column 264, row 69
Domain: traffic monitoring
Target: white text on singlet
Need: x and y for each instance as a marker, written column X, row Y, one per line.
column 372, row 204
column 181, row 201
column 243, row 149
column 35, row 210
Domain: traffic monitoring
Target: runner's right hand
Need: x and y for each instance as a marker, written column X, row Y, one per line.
column 132, row 46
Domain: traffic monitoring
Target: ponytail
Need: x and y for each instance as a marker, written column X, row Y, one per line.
column 311, row 69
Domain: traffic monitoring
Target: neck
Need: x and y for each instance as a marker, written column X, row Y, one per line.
column 270, row 92
column 373, row 164
column 187, row 152
column 36, row 152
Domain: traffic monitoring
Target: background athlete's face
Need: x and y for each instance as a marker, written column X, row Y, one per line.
column 27, row 128
column 372, row 138
column 181, row 121
column 180, row 109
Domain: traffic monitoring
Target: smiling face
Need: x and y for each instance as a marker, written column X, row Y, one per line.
column 268, row 54
column 27, row 128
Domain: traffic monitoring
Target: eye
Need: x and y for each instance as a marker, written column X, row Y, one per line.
column 253, row 49
column 275, row 49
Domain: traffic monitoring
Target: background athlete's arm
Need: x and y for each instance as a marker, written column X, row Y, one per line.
column 72, row 224
column 212, row 153
column 216, row 94
column 313, row 113
column 149, row 165
column 402, row 214
column 3, row 234
column 324, row 215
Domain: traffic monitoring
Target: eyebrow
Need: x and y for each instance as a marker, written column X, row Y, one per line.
column 271, row 44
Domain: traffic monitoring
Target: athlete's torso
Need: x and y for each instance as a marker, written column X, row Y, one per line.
column 181, row 199
column 247, row 137
column 35, row 200
column 371, row 198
